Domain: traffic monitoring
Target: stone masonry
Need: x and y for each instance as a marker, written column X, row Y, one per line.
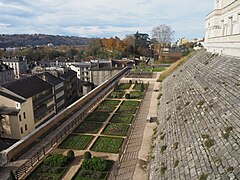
column 198, row 133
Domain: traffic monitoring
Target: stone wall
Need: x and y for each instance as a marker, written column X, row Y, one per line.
column 199, row 121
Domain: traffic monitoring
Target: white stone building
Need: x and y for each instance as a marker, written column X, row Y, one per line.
column 223, row 28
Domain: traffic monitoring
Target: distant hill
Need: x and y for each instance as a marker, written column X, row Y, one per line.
column 23, row 40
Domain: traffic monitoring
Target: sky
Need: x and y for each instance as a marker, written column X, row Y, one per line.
column 103, row 18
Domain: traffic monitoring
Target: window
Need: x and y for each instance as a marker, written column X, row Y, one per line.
column 26, row 127
column 24, row 115
column 19, row 117
column 21, row 129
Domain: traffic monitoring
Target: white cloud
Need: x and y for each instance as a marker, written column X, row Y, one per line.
column 100, row 18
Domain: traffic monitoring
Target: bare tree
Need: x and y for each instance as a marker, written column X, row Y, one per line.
column 163, row 34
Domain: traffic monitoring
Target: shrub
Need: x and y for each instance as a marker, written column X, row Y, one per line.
column 87, row 155
column 127, row 96
column 55, row 160
column 70, row 155
column 142, row 87
column 130, row 81
column 94, row 164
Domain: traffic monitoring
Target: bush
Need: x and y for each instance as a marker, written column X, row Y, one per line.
column 55, row 160
column 130, row 81
column 127, row 96
column 70, row 155
column 94, row 164
column 87, row 155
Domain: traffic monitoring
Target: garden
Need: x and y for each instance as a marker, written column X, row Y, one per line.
column 97, row 117
column 88, row 127
column 53, row 167
column 123, row 86
column 122, row 118
column 93, row 168
column 140, row 87
column 128, row 107
column 116, row 129
column 107, row 144
column 134, row 95
column 117, row 94
column 107, row 106
column 76, row 141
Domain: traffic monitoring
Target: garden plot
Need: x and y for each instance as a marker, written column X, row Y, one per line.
column 138, row 87
column 97, row 117
column 128, row 107
column 52, row 168
column 107, row 144
column 88, row 127
column 116, row 129
column 122, row 118
column 123, row 86
column 117, row 94
column 76, row 141
column 107, row 106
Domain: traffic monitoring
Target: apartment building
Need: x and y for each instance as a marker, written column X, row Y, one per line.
column 25, row 104
column 6, row 73
column 19, row 64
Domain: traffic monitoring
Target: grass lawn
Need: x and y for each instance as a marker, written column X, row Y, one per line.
column 123, row 86
column 122, row 118
column 88, row 127
column 107, row 144
column 97, row 117
column 116, row 129
column 76, row 141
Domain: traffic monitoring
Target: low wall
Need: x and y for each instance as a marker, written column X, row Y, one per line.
column 19, row 147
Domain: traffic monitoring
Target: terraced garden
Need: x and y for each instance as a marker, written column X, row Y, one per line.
column 118, row 125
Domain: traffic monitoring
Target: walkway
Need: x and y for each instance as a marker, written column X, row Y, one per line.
column 130, row 157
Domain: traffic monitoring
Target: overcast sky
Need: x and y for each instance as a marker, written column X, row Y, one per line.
column 103, row 18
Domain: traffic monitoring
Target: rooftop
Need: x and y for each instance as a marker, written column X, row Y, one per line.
column 28, row 87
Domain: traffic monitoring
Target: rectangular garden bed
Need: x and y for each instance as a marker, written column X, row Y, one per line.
column 123, row 86
column 122, row 118
column 117, row 94
column 137, row 87
column 128, row 107
column 53, row 167
column 88, row 127
column 116, row 129
column 107, row 106
column 76, row 141
column 136, row 95
column 97, row 117
column 107, row 144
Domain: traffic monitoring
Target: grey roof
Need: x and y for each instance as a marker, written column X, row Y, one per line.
column 28, row 87
column 46, row 76
column 69, row 73
column 8, row 94
column 4, row 67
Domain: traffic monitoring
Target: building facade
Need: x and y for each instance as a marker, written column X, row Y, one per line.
column 22, row 112
column 6, row 73
column 222, row 27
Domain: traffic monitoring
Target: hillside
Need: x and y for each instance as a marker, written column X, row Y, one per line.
column 23, row 40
